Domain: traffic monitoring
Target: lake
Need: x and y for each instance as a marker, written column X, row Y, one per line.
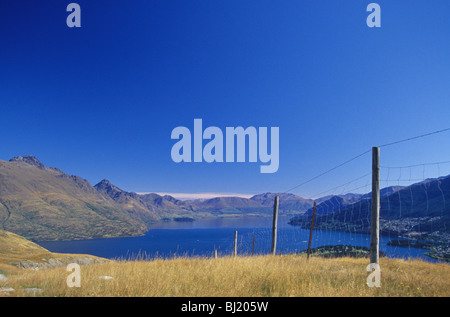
column 202, row 237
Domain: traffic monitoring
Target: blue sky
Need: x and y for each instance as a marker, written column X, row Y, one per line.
column 101, row 101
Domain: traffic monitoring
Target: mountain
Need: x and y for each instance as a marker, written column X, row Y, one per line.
column 350, row 197
column 130, row 202
column 386, row 191
column 144, row 207
column 261, row 204
column 329, row 206
column 44, row 203
column 287, row 201
column 418, row 210
column 334, row 203
column 227, row 205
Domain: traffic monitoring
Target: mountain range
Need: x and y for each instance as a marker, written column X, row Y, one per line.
column 335, row 203
column 419, row 211
column 44, row 203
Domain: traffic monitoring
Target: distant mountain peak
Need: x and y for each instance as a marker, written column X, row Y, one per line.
column 104, row 182
column 106, row 185
column 28, row 159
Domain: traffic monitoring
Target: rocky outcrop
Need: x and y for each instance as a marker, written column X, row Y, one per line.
column 57, row 262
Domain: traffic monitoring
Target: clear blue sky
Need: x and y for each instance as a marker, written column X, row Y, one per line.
column 101, row 101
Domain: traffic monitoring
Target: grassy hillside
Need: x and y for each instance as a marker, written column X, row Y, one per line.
column 17, row 253
column 265, row 276
column 262, row 276
column 44, row 203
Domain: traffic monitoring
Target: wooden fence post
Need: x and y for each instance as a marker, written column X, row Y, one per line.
column 375, row 213
column 311, row 231
column 274, row 227
column 235, row 244
column 253, row 245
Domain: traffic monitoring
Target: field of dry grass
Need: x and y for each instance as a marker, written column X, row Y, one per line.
column 263, row 276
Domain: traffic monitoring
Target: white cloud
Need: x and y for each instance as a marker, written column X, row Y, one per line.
column 190, row 196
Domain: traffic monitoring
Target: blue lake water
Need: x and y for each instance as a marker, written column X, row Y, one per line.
column 202, row 237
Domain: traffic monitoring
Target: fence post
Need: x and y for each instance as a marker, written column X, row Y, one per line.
column 215, row 254
column 274, row 227
column 253, row 245
column 235, row 244
column 311, row 231
column 375, row 213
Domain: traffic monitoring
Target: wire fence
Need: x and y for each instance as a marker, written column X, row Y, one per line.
column 414, row 215
column 414, row 209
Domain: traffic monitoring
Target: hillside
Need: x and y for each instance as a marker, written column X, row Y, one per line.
column 421, row 210
column 44, row 203
column 18, row 252
column 335, row 203
column 239, row 277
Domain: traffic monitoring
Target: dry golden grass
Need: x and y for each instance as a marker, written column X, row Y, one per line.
column 14, row 249
column 263, row 276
